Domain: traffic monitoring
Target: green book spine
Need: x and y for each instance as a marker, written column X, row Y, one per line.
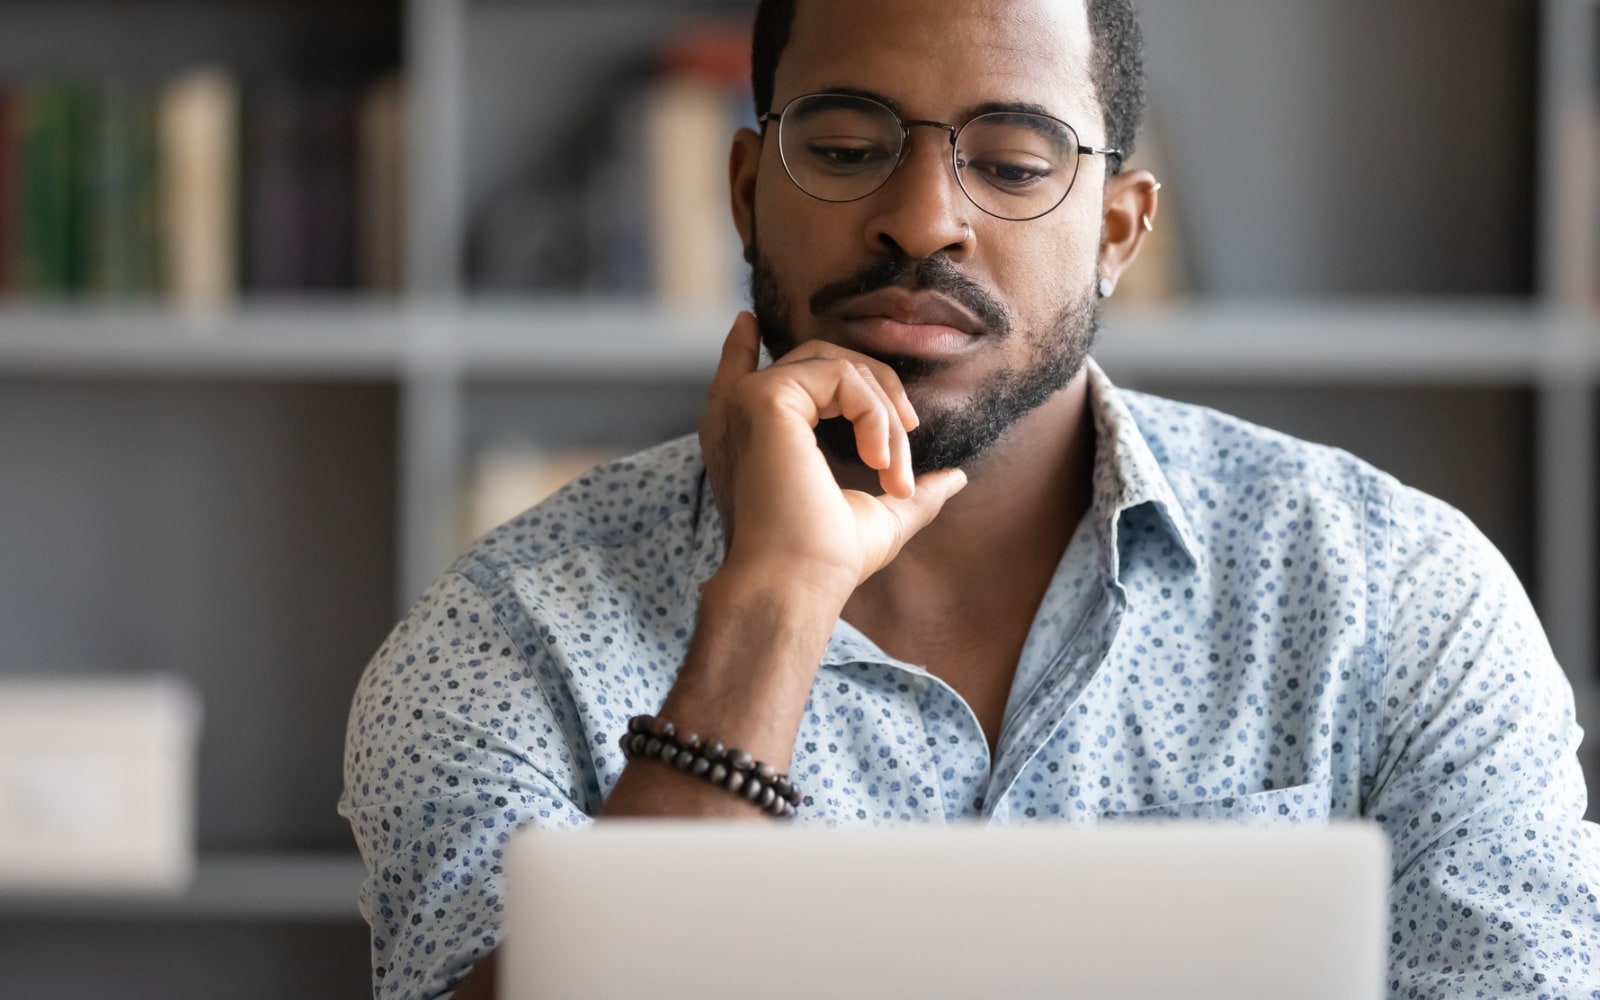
column 9, row 193
column 119, row 191
column 50, row 261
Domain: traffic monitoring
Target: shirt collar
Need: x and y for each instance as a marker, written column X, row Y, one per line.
column 1128, row 477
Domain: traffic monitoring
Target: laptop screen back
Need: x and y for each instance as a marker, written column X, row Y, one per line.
column 670, row 910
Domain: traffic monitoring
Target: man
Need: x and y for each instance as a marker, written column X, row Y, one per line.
column 932, row 564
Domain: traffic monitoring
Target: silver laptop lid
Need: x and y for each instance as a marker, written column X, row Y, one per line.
column 701, row 910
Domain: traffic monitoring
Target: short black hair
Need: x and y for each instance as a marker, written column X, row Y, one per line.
column 1117, row 73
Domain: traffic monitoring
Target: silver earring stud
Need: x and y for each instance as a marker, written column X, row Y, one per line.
column 1106, row 288
column 1149, row 226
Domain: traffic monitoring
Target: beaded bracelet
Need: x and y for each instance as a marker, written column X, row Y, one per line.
column 727, row 767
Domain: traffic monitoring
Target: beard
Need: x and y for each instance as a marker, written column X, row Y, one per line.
column 949, row 436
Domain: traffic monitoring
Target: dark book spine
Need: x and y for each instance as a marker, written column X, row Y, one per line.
column 274, row 189
column 330, row 167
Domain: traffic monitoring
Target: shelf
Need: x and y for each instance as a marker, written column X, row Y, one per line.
column 1493, row 341
column 300, row 340
column 286, row 887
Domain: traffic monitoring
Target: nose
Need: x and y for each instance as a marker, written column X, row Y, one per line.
column 921, row 209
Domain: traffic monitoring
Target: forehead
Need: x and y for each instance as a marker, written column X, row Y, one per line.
column 937, row 57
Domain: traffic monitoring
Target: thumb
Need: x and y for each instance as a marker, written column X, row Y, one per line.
column 741, row 354
column 933, row 490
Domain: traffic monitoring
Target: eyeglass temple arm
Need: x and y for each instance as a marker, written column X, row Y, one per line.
column 1091, row 150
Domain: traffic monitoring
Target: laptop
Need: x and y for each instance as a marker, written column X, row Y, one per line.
column 691, row 911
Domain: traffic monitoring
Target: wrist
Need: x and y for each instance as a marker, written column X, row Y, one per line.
column 802, row 593
column 756, row 648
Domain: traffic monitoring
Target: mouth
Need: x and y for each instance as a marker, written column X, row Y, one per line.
column 915, row 324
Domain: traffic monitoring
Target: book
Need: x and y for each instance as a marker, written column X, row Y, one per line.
column 381, row 186
column 275, row 205
column 48, row 249
column 9, row 194
column 687, row 128
column 120, row 242
column 329, row 170
column 688, row 121
column 198, row 123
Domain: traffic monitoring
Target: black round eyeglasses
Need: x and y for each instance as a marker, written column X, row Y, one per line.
column 1013, row 165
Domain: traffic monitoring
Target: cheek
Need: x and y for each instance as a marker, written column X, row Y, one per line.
column 1042, row 271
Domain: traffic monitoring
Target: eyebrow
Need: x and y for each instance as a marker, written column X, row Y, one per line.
column 966, row 115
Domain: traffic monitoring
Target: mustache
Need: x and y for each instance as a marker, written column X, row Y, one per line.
column 933, row 274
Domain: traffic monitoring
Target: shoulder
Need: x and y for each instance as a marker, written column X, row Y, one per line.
column 1227, row 472
column 1207, row 454
column 622, row 504
column 1208, row 446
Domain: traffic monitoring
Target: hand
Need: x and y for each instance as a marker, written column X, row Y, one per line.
column 782, row 510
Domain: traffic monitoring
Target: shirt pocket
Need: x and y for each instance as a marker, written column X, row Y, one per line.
column 1307, row 803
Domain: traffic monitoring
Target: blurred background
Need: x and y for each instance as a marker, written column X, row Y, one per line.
column 298, row 298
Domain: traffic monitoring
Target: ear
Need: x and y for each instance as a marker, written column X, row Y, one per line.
column 744, row 162
column 1130, row 211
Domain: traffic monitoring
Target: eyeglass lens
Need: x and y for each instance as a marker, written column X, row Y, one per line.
column 1012, row 165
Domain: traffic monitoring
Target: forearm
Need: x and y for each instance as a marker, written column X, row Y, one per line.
column 758, row 639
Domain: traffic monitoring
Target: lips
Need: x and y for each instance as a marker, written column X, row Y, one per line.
column 911, row 309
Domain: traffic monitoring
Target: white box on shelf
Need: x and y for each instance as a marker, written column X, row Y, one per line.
column 97, row 785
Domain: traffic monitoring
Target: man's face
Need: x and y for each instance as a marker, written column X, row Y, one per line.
column 880, row 275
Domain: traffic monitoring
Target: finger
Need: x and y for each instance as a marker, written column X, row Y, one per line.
column 886, row 376
column 862, row 402
column 843, row 367
column 933, row 491
column 741, row 354
column 895, row 475
column 820, row 389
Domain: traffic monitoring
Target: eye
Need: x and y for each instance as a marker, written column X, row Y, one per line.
column 845, row 154
column 1010, row 175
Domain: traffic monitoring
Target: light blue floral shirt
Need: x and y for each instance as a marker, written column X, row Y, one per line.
column 1245, row 626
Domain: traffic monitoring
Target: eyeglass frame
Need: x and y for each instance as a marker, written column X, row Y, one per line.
column 954, row 131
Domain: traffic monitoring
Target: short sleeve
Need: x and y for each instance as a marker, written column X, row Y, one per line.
column 1478, row 782
column 439, row 772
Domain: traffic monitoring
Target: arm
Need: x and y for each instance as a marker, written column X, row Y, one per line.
column 435, row 781
column 797, row 547
column 1478, row 783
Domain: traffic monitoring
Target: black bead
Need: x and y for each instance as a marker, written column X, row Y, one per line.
column 638, row 724
column 718, row 774
column 735, row 781
column 701, row 766
column 752, row 788
column 716, row 751
column 768, row 796
column 683, row 759
column 767, row 771
column 740, row 761
column 667, row 752
column 652, row 748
